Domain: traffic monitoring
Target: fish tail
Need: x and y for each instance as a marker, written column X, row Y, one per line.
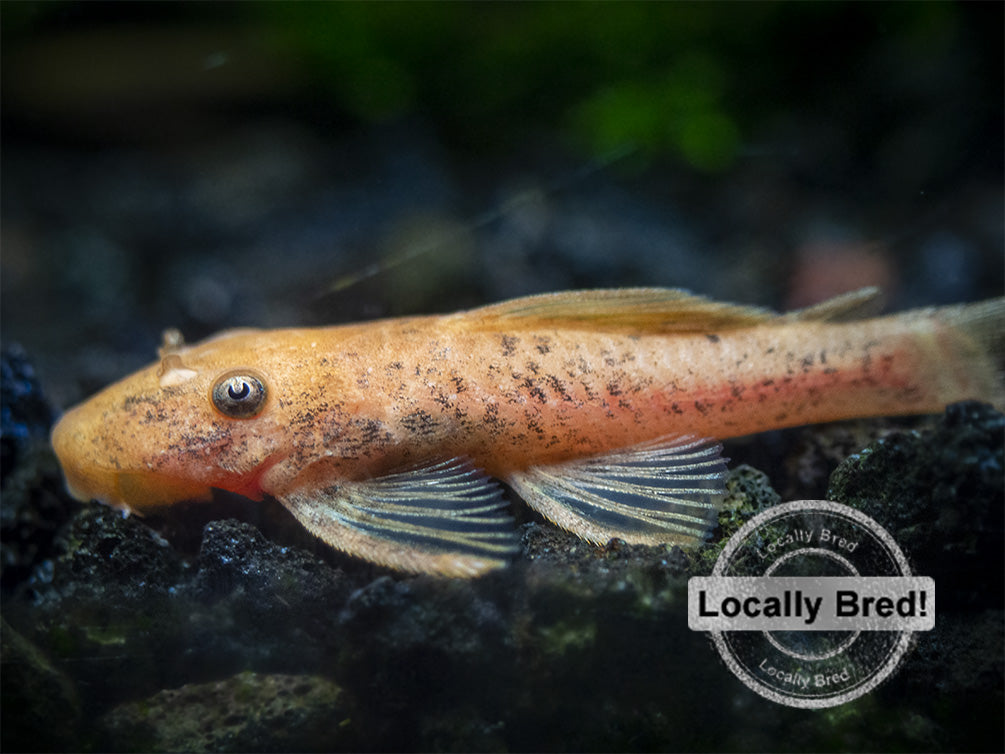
column 979, row 349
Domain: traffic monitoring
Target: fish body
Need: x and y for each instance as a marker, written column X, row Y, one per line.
column 600, row 408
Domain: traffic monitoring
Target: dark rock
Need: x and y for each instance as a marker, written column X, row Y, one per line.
column 126, row 615
column 235, row 557
column 940, row 495
column 41, row 711
column 748, row 492
column 33, row 508
column 109, row 556
column 108, row 607
column 261, row 605
column 445, row 642
column 25, row 414
column 34, row 504
column 962, row 655
column 247, row 712
column 548, row 543
column 820, row 449
column 507, row 661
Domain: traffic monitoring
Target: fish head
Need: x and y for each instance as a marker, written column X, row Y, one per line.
column 202, row 417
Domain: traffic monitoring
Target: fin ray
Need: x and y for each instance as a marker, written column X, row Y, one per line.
column 444, row 517
column 628, row 310
column 658, row 492
column 846, row 307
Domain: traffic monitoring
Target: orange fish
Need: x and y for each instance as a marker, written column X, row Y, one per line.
column 601, row 409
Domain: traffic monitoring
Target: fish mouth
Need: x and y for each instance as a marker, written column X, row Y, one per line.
column 138, row 490
column 83, row 481
column 133, row 490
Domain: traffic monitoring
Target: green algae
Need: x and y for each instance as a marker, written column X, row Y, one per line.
column 246, row 712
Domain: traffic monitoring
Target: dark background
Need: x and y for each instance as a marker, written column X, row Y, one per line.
column 210, row 165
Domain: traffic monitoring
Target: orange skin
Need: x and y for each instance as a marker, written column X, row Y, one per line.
column 358, row 401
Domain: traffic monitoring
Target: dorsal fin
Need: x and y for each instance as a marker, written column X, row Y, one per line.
column 625, row 310
column 847, row 307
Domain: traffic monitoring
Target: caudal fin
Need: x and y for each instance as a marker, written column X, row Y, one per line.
column 982, row 329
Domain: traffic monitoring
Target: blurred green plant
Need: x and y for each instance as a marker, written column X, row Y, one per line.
column 643, row 75
column 687, row 81
column 679, row 112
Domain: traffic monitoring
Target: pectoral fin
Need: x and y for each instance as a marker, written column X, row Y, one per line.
column 667, row 491
column 445, row 517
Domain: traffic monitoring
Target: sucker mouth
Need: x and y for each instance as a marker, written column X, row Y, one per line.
column 64, row 442
column 137, row 490
column 109, row 484
column 92, row 486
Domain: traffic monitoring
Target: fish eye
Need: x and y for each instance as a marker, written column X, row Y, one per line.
column 239, row 394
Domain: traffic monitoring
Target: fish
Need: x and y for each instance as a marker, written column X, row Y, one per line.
column 604, row 410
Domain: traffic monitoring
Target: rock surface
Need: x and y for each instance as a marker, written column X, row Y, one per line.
column 152, row 647
column 247, row 712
